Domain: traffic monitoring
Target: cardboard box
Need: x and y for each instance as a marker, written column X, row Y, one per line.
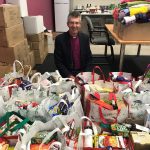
column 9, row 15
column 32, row 59
column 33, row 24
column 35, row 37
column 5, row 69
column 140, row 140
column 9, row 54
column 46, row 44
column 39, row 56
column 26, row 60
column 135, row 32
column 49, row 37
column 28, row 49
column 37, row 45
column 22, row 6
column 12, row 35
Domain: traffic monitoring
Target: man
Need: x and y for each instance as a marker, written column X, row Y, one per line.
column 72, row 52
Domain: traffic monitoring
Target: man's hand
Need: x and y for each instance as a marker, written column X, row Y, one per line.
column 72, row 77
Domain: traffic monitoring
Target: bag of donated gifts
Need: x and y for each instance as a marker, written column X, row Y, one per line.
column 144, row 81
column 11, row 125
column 106, row 107
column 13, row 79
column 75, row 112
column 138, row 103
column 90, row 137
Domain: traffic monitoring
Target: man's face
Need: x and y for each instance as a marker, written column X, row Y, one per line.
column 74, row 25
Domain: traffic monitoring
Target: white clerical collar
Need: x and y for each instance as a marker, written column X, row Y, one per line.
column 74, row 37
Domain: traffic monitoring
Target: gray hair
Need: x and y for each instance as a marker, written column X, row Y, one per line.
column 74, row 14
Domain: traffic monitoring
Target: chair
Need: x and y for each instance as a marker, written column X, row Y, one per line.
column 99, row 36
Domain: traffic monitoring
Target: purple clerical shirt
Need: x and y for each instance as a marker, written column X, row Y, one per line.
column 75, row 49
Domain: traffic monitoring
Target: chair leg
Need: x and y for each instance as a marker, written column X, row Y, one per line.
column 105, row 53
column 112, row 52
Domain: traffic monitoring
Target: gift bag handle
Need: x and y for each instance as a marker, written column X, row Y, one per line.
column 29, row 70
column 80, row 141
column 66, row 127
column 49, row 135
column 93, row 73
column 14, row 66
column 36, row 75
column 112, row 96
column 9, row 125
column 93, row 125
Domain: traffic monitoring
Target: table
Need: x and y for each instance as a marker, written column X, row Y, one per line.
column 123, row 43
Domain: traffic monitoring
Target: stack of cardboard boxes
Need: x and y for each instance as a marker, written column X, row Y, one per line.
column 34, row 29
column 13, row 43
column 39, row 46
column 23, row 38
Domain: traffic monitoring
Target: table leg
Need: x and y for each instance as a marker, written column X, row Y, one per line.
column 122, row 51
column 139, row 49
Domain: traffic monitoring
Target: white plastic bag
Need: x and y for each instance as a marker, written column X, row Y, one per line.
column 137, row 104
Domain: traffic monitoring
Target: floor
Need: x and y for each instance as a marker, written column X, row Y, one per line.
column 132, row 63
column 98, row 49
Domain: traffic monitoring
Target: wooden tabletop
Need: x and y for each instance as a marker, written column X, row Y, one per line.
column 110, row 29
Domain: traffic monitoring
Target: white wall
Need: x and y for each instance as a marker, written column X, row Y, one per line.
column 93, row 2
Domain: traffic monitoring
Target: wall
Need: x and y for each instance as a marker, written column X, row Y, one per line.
column 41, row 7
column 2, row 1
column 45, row 8
column 94, row 2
